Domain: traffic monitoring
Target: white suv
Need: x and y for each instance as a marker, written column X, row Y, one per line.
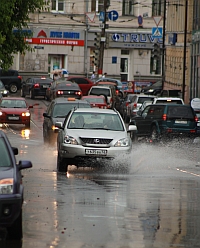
column 173, row 100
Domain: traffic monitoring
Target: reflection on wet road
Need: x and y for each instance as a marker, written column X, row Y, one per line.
column 155, row 204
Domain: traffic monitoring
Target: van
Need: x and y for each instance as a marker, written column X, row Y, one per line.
column 107, row 91
column 11, row 80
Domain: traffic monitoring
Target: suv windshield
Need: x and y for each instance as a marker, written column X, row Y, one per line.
column 95, row 121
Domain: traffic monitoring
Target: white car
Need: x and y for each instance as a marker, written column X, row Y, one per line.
column 90, row 136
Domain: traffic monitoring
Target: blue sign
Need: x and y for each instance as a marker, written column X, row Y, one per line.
column 157, row 32
column 113, row 15
column 140, row 20
column 114, row 60
column 101, row 16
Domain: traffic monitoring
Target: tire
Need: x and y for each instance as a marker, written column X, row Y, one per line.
column 134, row 137
column 15, row 231
column 22, row 93
column 32, row 95
column 13, row 88
column 154, row 134
column 61, row 164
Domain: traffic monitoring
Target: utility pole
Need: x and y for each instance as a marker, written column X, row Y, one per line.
column 184, row 50
column 103, row 39
column 163, row 45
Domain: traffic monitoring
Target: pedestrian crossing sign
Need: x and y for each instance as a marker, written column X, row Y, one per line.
column 157, row 32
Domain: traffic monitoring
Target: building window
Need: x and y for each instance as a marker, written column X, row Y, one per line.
column 196, row 15
column 57, row 5
column 157, row 8
column 127, row 7
column 125, row 52
column 97, row 5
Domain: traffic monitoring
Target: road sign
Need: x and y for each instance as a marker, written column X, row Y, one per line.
column 157, row 19
column 91, row 16
column 157, row 32
column 113, row 15
column 101, row 16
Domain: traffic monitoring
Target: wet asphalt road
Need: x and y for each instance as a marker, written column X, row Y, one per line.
column 155, row 204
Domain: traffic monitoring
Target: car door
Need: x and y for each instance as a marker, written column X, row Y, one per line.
column 47, row 124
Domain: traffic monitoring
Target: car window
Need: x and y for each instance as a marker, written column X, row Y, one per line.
column 87, row 120
column 5, row 160
column 79, row 80
column 143, row 99
column 61, row 110
column 1, row 84
column 169, row 101
column 100, row 91
column 12, row 104
column 180, row 112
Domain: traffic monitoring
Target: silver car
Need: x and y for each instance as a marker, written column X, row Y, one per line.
column 89, row 136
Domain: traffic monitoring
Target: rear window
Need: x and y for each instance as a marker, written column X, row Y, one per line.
column 47, row 80
column 143, row 99
column 8, row 73
column 61, row 110
column 169, row 101
column 100, row 91
column 67, row 86
column 180, row 112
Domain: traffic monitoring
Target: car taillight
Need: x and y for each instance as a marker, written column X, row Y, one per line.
column 20, row 77
column 79, row 93
column 117, row 92
column 59, row 92
column 135, row 105
column 127, row 103
column 196, row 119
column 164, row 117
column 36, row 86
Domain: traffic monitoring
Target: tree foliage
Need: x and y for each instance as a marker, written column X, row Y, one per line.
column 14, row 15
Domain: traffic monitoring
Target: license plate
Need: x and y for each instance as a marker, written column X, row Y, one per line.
column 45, row 86
column 180, row 122
column 14, row 118
column 198, row 124
column 96, row 152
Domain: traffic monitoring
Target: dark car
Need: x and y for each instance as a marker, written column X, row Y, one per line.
column 84, row 83
column 124, row 103
column 165, row 120
column 63, row 88
column 57, row 111
column 11, row 80
column 3, row 90
column 35, row 86
column 154, row 89
column 11, row 189
column 195, row 104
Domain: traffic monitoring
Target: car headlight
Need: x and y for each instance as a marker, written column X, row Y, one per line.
column 151, row 90
column 70, row 140
column 122, row 142
column 54, row 128
column 5, row 92
column 1, row 113
column 26, row 114
column 6, row 186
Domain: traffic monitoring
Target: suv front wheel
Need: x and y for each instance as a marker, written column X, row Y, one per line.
column 13, row 88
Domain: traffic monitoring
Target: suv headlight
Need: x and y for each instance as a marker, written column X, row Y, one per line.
column 70, row 140
column 122, row 142
column 6, row 186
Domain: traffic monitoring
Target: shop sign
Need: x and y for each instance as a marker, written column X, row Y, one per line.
column 48, row 41
column 135, row 38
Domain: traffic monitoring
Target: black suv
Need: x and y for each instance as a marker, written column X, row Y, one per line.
column 158, row 120
column 155, row 89
column 11, row 80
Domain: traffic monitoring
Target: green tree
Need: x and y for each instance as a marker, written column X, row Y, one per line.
column 14, row 14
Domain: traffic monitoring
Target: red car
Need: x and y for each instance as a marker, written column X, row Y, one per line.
column 84, row 83
column 96, row 101
column 15, row 110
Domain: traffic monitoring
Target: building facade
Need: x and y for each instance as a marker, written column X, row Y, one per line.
column 64, row 33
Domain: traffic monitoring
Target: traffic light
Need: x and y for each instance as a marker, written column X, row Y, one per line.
column 156, row 51
column 97, row 41
column 96, row 57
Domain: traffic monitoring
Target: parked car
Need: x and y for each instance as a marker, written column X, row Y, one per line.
column 173, row 100
column 136, row 103
column 15, row 110
column 90, row 137
column 84, row 83
column 11, row 80
column 3, row 89
column 96, row 101
column 154, row 89
column 108, row 92
column 195, row 104
column 63, row 88
column 57, row 111
column 165, row 120
column 11, row 189
column 35, row 86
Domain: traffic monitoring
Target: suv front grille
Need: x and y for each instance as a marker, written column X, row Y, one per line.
column 96, row 141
